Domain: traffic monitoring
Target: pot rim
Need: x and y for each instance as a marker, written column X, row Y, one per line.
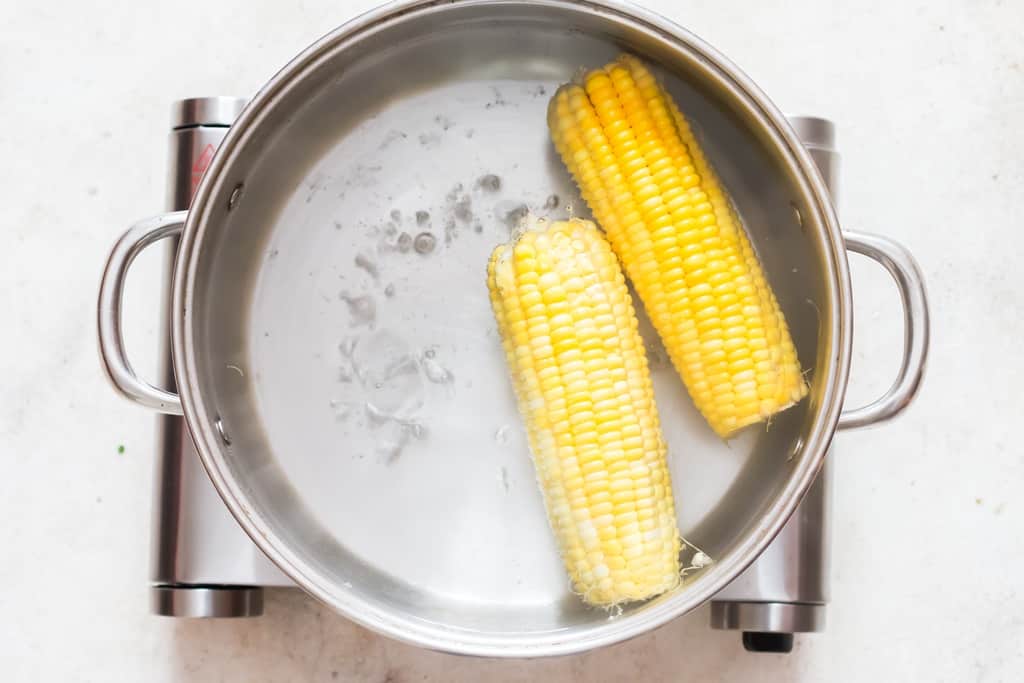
column 744, row 94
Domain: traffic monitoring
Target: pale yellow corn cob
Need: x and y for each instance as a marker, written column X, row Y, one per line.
column 649, row 185
column 581, row 379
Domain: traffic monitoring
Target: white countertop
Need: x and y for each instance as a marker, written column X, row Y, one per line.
column 927, row 556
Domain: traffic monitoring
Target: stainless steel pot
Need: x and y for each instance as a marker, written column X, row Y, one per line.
column 296, row 297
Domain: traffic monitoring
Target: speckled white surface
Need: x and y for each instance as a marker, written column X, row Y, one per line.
column 928, row 557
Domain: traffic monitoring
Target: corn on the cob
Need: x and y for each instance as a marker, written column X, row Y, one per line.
column 580, row 375
column 649, row 185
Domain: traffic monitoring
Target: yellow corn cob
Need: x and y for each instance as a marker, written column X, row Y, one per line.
column 648, row 183
column 580, row 376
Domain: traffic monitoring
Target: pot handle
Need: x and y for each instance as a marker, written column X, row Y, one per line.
column 895, row 258
column 115, row 361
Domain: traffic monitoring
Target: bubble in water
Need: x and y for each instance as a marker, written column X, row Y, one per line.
column 347, row 346
column 489, row 182
column 365, row 262
column 396, row 215
column 424, row 243
column 347, row 370
column 422, row 217
column 463, row 209
column 389, row 290
column 346, row 373
column 361, row 309
column 391, row 137
column 386, row 389
column 391, row 445
column 552, row 202
column 430, row 140
column 386, row 385
column 435, row 372
column 700, row 559
column 404, row 242
column 501, row 435
column 453, row 193
column 376, row 415
column 342, row 409
column 417, row 430
column 390, row 374
column 395, row 432
column 511, row 213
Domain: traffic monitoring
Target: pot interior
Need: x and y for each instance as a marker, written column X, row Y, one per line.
column 374, row 441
